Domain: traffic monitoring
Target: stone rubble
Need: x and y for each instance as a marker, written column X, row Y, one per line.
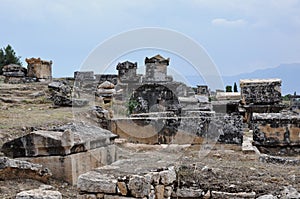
column 44, row 192
column 63, row 94
column 15, row 169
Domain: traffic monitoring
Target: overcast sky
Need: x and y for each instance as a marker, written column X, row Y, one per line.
column 239, row 36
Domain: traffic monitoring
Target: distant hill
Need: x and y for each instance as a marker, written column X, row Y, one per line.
column 288, row 73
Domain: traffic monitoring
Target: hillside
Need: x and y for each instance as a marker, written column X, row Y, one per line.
column 288, row 73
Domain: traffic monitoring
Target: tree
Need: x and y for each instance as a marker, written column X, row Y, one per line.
column 228, row 88
column 235, row 87
column 8, row 56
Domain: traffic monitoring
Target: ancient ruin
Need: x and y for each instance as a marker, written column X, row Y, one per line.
column 14, row 74
column 146, row 136
column 39, row 69
column 67, row 151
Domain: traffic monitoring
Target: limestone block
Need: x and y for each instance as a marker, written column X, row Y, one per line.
column 122, row 188
column 14, row 169
column 40, row 193
column 94, row 182
column 139, row 186
column 188, row 192
column 168, row 191
column 168, row 176
column 218, row 194
column 159, row 191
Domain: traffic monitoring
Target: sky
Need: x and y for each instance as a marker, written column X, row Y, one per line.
column 239, row 36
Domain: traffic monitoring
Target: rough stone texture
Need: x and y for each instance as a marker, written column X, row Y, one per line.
column 14, row 74
column 93, row 182
column 72, row 139
column 100, row 78
column 127, row 72
column 139, row 186
column 279, row 160
column 41, row 193
column 156, row 69
column 188, row 193
column 39, row 69
column 15, row 169
column 68, row 168
column 232, row 129
column 159, row 191
column 276, row 129
column 218, row 194
column 167, row 177
column 122, row 188
column 83, row 75
column 269, row 196
column 63, row 94
column 261, row 91
column 289, row 193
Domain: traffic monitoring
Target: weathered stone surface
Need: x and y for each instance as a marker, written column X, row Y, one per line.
column 63, row 94
column 68, row 168
column 39, row 69
column 269, row 196
column 159, row 191
column 279, row 160
column 168, row 176
column 188, row 193
column 261, row 91
column 168, row 191
column 218, row 194
column 15, row 169
column 139, row 186
column 276, row 129
column 14, row 74
column 122, row 188
column 289, row 193
column 41, row 193
column 93, row 183
column 72, row 139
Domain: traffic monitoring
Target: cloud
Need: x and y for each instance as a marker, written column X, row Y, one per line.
column 228, row 23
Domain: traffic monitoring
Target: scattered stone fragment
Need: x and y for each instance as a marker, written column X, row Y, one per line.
column 40, row 193
column 15, row 169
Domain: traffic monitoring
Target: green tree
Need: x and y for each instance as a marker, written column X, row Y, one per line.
column 228, row 88
column 8, row 56
column 235, row 87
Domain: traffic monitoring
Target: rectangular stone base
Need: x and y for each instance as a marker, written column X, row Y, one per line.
column 68, row 168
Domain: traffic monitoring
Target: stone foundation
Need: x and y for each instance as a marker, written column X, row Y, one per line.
column 68, row 168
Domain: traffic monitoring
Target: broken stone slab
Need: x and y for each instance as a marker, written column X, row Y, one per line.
column 239, row 195
column 15, row 169
column 45, row 143
column 44, row 192
column 167, row 177
column 289, row 193
column 279, row 160
column 269, row 196
column 92, row 182
column 189, row 192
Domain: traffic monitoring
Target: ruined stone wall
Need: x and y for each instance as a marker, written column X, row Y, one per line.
column 276, row 129
column 263, row 91
column 100, row 78
column 39, row 69
column 14, row 74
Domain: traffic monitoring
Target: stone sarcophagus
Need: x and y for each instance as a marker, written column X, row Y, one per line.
column 276, row 129
column 260, row 91
column 39, row 69
column 14, row 73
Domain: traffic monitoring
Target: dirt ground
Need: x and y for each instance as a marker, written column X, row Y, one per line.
column 24, row 108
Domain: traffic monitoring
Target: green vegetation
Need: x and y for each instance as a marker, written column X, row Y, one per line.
column 8, row 56
column 228, row 89
column 235, row 87
column 131, row 104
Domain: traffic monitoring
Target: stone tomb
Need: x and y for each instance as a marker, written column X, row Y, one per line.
column 67, row 151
